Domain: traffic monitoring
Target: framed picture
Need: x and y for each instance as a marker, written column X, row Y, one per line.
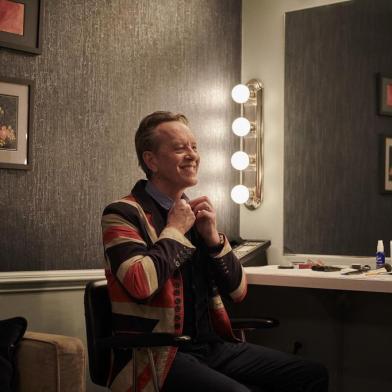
column 20, row 25
column 385, row 95
column 386, row 164
column 15, row 123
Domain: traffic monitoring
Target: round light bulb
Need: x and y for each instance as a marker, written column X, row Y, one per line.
column 240, row 93
column 241, row 126
column 240, row 194
column 240, row 160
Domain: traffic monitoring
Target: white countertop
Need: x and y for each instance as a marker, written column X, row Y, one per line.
column 271, row 275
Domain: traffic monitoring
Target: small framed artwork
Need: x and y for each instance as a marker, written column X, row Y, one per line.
column 385, row 95
column 386, row 164
column 21, row 25
column 15, row 123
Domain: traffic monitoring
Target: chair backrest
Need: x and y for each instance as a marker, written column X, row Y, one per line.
column 98, row 314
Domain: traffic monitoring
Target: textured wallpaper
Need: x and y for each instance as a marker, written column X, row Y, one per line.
column 104, row 65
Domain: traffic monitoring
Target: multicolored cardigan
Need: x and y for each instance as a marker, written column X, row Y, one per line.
column 143, row 261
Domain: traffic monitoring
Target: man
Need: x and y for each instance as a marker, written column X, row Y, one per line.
column 167, row 266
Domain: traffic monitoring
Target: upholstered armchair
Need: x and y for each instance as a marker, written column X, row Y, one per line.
column 37, row 362
column 50, row 363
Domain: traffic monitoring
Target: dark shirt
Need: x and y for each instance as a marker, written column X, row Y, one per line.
column 194, row 274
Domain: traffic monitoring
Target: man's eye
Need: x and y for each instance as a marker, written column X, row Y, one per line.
column 194, row 148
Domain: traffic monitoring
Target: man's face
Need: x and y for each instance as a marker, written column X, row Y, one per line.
column 176, row 161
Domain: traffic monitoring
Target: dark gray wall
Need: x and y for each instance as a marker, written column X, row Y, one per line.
column 332, row 203
column 104, row 65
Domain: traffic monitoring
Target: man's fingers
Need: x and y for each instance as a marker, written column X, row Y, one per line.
column 199, row 200
column 181, row 203
column 203, row 214
column 202, row 206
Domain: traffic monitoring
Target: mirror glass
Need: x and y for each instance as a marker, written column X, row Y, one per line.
column 333, row 201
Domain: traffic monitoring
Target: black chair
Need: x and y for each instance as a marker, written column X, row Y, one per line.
column 100, row 339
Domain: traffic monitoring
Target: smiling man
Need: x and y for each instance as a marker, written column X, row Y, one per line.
column 167, row 267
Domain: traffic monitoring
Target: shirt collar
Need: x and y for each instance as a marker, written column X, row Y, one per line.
column 163, row 200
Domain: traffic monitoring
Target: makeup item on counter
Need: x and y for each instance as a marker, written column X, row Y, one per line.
column 352, row 272
column 285, row 266
column 385, row 270
column 301, row 264
column 309, row 263
column 325, row 268
column 355, row 271
column 305, row 266
column 380, row 256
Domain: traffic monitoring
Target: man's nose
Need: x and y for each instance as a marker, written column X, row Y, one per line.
column 191, row 153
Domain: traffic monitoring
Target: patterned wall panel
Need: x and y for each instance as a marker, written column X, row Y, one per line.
column 332, row 203
column 104, row 65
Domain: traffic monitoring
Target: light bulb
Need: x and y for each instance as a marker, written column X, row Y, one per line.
column 240, row 194
column 241, row 126
column 240, row 160
column 240, row 93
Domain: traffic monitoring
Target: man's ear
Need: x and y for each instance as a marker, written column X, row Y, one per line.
column 150, row 161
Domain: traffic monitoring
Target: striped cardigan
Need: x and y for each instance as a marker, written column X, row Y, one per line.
column 143, row 260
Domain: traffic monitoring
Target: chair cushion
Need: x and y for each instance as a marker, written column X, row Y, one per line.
column 11, row 332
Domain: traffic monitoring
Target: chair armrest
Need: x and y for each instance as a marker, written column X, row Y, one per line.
column 253, row 323
column 142, row 340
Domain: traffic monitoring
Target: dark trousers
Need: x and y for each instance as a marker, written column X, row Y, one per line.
column 243, row 367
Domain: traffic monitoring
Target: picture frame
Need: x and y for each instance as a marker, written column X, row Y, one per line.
column 385, row 95
column 386, row 164
column 21, row 25
column 16, row 103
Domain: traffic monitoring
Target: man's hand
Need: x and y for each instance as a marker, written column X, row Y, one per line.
column 205, row 220
column 181, row 216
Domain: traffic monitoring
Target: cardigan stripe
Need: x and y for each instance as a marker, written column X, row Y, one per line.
column 139, row 273
column 240, row 292
column 130, row 200
column 127, row 234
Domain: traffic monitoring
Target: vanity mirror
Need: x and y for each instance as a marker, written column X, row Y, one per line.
column 332, row 199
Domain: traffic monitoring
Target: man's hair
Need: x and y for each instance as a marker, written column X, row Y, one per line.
column 145, row 138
